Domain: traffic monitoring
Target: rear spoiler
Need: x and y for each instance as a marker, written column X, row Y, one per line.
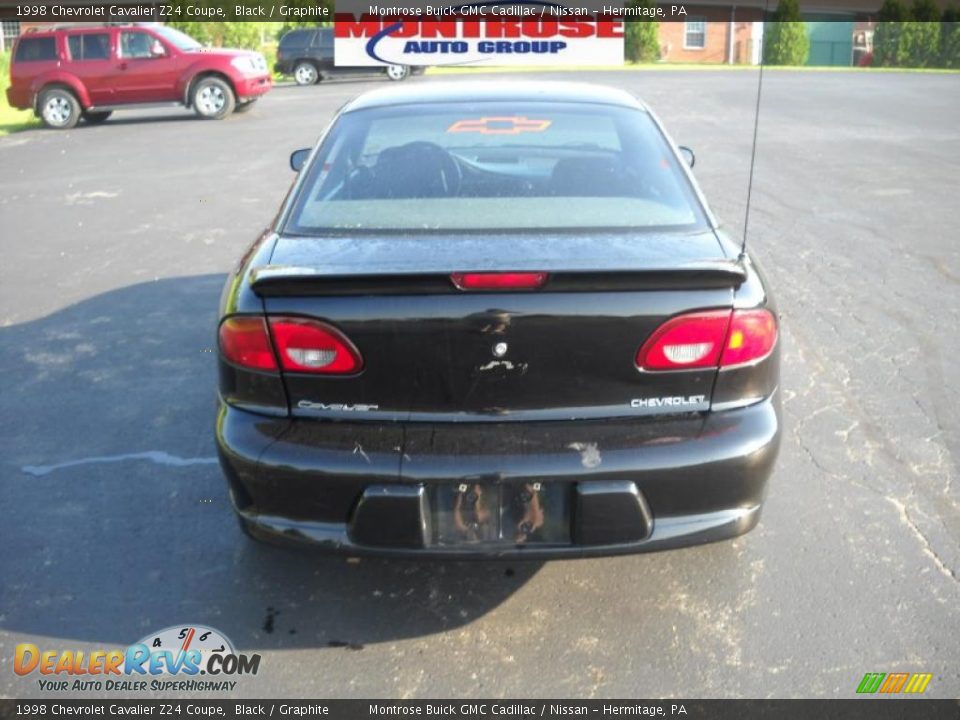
column 286, row 280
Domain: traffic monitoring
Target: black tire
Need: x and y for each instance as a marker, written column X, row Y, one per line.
column 245, row 106
column 306, row 73
column 96, row 117
column 397, row 72
column 58, row 108
column 212, row 98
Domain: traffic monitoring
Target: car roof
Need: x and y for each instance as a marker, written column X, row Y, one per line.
column 487, row 91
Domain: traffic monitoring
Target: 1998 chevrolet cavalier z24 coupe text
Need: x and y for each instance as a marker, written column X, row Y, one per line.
column 497, row 320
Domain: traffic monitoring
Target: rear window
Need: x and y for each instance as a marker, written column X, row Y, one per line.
column 487, row 166
column 89, row 47
column 31, row 49
column 296, row 39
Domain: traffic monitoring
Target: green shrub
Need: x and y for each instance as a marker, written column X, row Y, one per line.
column 11, row 119
column 293, row 24
column 920, row 38
column 223, row 34
column 641, row 41
column 950, row 38
column 785, row 40
column 920, row 44
column 888, row 50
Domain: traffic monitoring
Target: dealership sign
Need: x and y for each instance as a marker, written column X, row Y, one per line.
column 524, row 33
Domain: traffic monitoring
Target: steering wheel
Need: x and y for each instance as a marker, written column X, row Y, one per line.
column 420, row 152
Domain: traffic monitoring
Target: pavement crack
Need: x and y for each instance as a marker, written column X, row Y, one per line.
column 924, row 542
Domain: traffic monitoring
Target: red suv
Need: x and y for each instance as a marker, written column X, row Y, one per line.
column 65, row 74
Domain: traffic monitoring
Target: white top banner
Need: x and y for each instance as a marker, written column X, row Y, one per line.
column 533, row 35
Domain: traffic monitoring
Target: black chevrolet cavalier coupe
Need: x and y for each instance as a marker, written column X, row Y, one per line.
column 497, row 320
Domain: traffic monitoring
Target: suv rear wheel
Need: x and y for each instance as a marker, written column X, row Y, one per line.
column 95, row 117
column 397, row 72
column 305, row 73
column 59, row 108
column 212, row 98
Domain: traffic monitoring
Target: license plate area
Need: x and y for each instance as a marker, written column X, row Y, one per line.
column 505, row 513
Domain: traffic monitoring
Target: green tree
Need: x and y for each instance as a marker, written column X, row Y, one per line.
column 921, row 37
column 641, row 42
column 888, row 50
column 297, row 23
column 223, row 34
column 950, row 38
column 785, row 40
column 232, row 29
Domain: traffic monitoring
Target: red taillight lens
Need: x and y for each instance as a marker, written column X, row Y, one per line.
column 310, row 346
column 753, row 333
column 686, row 341
column 244, row 341
column 709, row 339
column 499, row 280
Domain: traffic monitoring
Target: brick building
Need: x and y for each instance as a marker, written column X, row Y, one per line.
column 717, row 31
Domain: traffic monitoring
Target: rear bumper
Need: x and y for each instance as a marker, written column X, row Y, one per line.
column 696, row 478
column 253, row 87
column 17, row 98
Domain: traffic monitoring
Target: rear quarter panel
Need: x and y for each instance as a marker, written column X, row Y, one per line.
column 28, row 79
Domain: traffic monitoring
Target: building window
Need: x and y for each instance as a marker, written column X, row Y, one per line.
column 695, row 34
column 11, row 28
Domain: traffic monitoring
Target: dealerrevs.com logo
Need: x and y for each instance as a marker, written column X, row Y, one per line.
column 171, row 660
column 480, row 35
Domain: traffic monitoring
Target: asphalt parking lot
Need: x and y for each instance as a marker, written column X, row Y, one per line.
column 116, row 242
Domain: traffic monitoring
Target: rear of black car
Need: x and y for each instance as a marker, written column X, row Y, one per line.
column 497, row 329
column 304, row 44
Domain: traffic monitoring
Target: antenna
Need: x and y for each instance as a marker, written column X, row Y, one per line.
column 756, row 125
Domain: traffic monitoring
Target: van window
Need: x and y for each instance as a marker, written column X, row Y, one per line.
column 89, row 47
column 30, row 49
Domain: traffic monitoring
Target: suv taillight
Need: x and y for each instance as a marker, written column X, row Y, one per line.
column 302, row 345
column 714, row 338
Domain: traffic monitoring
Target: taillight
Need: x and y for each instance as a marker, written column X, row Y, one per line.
column 753, row 333
column 686, row 341
column 715, row 338
column 499, row 280
column 310, row 346
column 244, row 341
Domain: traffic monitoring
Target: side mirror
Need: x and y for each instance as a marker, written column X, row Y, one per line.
column 688, row 155
column 298, row 158
column 157, row 49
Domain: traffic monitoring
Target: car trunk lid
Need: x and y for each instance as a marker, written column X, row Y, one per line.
column 435, row 353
